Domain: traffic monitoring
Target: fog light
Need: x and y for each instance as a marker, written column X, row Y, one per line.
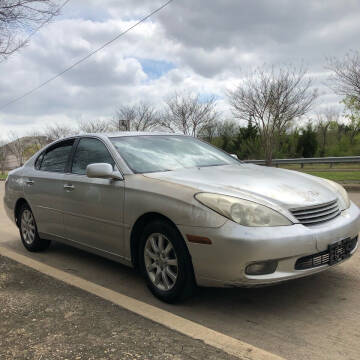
column 261, row 268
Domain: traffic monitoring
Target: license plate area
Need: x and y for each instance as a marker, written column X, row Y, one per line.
column 340, row 251
column 334, row 254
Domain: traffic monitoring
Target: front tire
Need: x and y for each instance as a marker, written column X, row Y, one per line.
column 28, row 231
column 165, row 262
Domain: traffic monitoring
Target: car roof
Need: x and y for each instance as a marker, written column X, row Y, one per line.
column 137, row 133
column 114, row 135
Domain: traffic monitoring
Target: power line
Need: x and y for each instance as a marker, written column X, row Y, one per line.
column 40, row 26
column 87, row 56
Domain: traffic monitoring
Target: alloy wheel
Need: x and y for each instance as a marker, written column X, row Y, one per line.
column 161, row 261
column 28, row 229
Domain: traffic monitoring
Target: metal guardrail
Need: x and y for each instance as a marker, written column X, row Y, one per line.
column 302, row 161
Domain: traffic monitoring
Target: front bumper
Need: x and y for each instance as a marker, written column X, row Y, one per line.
column 234, row 247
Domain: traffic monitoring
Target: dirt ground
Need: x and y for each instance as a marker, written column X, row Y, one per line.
column 42, row 318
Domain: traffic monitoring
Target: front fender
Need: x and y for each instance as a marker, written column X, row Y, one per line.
column 176, row 202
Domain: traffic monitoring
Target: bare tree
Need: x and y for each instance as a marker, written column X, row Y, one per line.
column 271, row 101
column 38, row 138
column 346, row 75
column 95, row 126
column 141, row 117
column 189, row 114
column 325, row 119
column 209, row 131
column 17, row 147
column 37, row 141
column 56, row 131
column 3, row 156
column 18, row 18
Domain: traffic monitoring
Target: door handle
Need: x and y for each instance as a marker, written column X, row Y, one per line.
column 69, row 187
column 30, row 182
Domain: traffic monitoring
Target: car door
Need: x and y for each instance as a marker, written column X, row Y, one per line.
column 44, row 190
column 93, row 208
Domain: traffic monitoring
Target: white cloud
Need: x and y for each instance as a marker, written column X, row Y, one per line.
column 210, row 44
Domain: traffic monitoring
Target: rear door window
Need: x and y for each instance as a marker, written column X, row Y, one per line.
column 56, row 158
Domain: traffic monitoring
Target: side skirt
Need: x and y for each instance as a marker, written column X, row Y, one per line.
column 111, row 256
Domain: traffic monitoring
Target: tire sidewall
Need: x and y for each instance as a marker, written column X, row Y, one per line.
column 185, row 274
column 38, row 244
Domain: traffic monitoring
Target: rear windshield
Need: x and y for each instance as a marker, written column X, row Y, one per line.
column 158, row 153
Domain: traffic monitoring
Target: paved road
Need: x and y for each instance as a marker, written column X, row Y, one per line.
column 312, row 318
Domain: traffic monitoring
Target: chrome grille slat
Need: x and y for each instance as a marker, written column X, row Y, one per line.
column 306, row 213
column 314, row 208
column 322, row 219
column 304, row 217
column 317, row 214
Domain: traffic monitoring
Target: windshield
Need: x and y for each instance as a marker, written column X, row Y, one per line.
column 156, row 153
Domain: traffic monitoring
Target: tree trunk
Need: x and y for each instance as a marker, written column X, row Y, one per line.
column 268, row 155
column 268, row 160
column 268, row 150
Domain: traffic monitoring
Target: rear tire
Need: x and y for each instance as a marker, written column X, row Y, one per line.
column 28, row 231
column 165, row 262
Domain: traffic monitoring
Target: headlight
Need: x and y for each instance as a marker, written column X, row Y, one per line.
column 343, row 195
column 241, row 211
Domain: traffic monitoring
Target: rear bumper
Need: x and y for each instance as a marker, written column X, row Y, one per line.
column 233, row 247
column 9, row 206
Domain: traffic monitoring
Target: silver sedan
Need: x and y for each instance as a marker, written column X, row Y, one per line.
column 181, row 211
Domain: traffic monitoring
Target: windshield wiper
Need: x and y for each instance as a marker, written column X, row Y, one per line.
column 201, row 166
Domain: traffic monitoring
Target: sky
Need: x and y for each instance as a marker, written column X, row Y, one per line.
column 201, row 46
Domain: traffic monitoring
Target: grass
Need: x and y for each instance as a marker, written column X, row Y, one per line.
column 3, row 176
column 340, row 176
column 314, row 167
column 342, row 173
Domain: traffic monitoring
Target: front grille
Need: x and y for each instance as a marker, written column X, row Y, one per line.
column 324, row 258
column 311, row 261
column 317, row 214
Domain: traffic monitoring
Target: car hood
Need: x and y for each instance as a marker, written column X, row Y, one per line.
column 270, row 186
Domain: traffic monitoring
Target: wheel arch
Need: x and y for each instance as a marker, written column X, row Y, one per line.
column 19, row 203
column 137, row 228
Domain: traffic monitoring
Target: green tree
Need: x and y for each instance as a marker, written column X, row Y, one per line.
column 352, row 113
column 307, row 142
column 247, row 142
column 226, row 134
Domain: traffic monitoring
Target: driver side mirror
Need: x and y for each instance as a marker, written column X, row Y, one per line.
column 102, row 171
